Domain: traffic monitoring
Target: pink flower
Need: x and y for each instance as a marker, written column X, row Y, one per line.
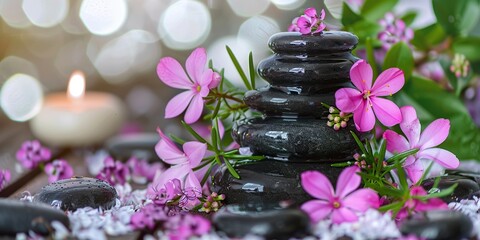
column 33, row 153
column 147, row 217
column 414, row 205
column 57, row 170
column 142, row 171
column 365, row 101
column 181, row 163
column 341, row 204
column 4, row 178
column 309, row 22
column 114, row 172
column 395, row 30
column 198, row 83
column 183, row 227
column 432, row 136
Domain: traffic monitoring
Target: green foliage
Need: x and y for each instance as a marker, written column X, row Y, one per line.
column 468, row 46
column 400, row 56
column 373, row 10
column 428, row 37
column 457, row 17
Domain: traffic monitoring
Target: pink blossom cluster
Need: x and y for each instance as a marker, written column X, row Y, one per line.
column 394, row 30
column 57, row 170
column 114, row 172
column 32, row 153
column 308, row 23
column 4, row 178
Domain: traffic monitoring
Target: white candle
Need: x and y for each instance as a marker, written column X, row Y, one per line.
column 78, row 118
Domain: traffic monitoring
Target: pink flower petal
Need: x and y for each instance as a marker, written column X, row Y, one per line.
column 191, row 181
column 441, row 156
column 342, row 215
column 216, row 78
column 178, row 171
column 317, row 209
column 388, row 82
column 168, row 151
column 178, row 104
column 363, row 117
column 348, row 181
column 304, row 24
column 204, row 81
column 311, row 12
column 317, row 185
column 195, row 64
column 410, row 125
column 322, row 15
column 361, row 200
column 361, row 75
column 348, row 99
column 195, row 152
column 434, row 134
column 172, row 74
column 415, row 171
column 194, row 111
column 386, row 111
column 431, row 204
column 395, row 142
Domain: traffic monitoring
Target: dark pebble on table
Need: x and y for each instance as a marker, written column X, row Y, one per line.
column 22, row 216
column 270, row 221
column 140, row 145
column 438, row 225
column 466, row 188
column 78, row 192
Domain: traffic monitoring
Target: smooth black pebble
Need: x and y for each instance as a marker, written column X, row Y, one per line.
column 137, row 145
column 270, row 221
column 22, row 216
column 438, row 225
column 78, row 192
column 467, row 187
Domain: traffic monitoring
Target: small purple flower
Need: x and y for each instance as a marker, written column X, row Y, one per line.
column 394, row 30
column 4, row 178
column 142, row 171
column 171, row 190
column 187, row 226
column 32, row 153
column 308, row 23
column 114, row 172
column 147, row 217
column 57, row 170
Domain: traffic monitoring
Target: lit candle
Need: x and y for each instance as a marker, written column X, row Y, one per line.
column 78, row 118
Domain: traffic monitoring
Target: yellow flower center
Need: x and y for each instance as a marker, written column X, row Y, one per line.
column 336, row 204
column 199, row 88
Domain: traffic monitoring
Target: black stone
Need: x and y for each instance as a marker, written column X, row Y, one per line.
column 22, row 216
column 268, row 181
column 466, row 188
column 137, row 145
column 78, row 192
column 438, row 225
column 265, row 220
column 296, row 139
column 326, row 42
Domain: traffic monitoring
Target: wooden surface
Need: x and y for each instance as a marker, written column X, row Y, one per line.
column 12, row 135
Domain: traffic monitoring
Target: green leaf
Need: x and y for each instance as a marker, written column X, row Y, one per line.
column 231, row 169
column 239, row 68
column 193, row 133
column 400, row 56
column 409, row 17
column 427, row 37
column 251, row 69
column 375, row 9
column 371, row 57
column 457, row 17
column 359, row 143
column 433, row 102
column 468, row 46
column 364, row 29
column 349, row 17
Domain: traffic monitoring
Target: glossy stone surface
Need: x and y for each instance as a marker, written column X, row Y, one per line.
column 140, row 145
column 294, row 42
column 78, row 192
column 438, row 225
column 296, row 139
column 269, row 221
column 21, row 217
column 467, row 187
column 268, row 181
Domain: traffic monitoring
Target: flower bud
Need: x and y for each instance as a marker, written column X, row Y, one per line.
column 343, row 124
column 336, row 119
column 336, row 126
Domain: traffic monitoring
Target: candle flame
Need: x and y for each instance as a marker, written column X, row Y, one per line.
column 76, row 85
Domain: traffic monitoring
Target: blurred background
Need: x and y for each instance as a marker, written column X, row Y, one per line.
column 118, row 43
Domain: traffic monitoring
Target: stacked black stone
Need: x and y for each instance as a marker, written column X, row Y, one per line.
column 304, row 72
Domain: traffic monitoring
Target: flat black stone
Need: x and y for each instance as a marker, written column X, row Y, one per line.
column 277, row 103
column 265, row 220
column 268, row 181
column 78, row 192
column 467, row 187
column 134, row 145
column 326, row 42
column 296, row 139
column 438, row 225
column 22, row 216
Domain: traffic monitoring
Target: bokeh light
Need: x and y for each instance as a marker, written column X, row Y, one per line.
column 291, row 4
column 185, row 24
column 12, row 13
column 103, row 17
column 13, row 64
column 21, row 97
column 45, row 13
column 257, row 30
column 248, row 8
